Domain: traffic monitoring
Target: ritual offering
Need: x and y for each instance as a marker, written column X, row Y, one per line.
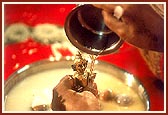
column 74, row 83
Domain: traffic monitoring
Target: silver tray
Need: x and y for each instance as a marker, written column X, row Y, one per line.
column 45, row 65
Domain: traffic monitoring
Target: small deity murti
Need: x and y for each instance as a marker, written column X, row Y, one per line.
column 82, row 78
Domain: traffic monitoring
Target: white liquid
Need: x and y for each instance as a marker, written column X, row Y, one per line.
column 39, row 87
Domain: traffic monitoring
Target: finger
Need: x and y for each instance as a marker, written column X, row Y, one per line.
column 118, row 12
column 119, row 27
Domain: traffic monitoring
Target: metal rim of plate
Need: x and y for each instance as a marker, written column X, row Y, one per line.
column 47, row 64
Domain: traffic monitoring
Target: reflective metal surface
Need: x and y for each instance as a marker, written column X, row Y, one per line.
column 44, row 65
column 86, row 30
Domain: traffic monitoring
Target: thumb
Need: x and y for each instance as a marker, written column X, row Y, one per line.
column 117, row 26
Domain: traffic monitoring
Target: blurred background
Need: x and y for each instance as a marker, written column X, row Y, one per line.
column 35, row 31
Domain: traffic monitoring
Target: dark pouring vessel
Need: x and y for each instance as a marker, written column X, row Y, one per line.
column 86, row 30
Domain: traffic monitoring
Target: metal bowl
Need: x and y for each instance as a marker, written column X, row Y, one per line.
column 46, row 65
column 86, row 30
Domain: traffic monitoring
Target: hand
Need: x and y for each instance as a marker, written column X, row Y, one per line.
column 139, row 25
column 64, row 98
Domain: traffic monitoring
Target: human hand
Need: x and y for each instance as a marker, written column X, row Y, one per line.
column 139, row 25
